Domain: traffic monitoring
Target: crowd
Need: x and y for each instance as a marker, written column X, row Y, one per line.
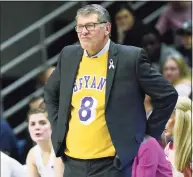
column 169, row 156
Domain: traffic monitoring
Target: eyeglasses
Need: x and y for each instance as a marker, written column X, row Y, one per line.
column 89, row 27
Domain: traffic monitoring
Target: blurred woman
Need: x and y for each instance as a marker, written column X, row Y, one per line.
column 179, row 126
column 127, row 29
column 150, row 160
column 176, row 71
column 40, row 159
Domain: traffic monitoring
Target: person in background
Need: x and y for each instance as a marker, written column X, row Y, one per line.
column 176, row 13
column 150, row 160
column 185, row 31
column 8, row 140
column 40, row 159
column 157, row 50
column 10, row 167
column 176, row 71
column 179, row 126
column 127, row 29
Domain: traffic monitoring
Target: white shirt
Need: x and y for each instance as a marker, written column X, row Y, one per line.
column 183, row 89
column 44, row 170
column 11, row 168
column 105, row 48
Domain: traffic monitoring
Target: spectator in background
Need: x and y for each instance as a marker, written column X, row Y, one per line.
column 35, row 103
column 176, row 71
column 8, row 140
column 179, row 126
column 150, row 160
column 10, row 167
column 185, row 31
column 156, row 50
column 58, row 162
column 127, row 29
column 40, row 159
column 175, row 15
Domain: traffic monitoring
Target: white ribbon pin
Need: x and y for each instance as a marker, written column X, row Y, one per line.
column 111, row 65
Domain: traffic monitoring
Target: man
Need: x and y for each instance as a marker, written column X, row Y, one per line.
column 185, row 31
column 95, row 100
column 156, row 50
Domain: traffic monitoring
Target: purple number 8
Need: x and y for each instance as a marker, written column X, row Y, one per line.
column 85, row 108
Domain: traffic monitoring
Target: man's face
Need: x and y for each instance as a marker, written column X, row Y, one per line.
column 151, row 44
column 91, row 32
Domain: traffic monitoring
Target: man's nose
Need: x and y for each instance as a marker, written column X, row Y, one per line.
column 84, row 30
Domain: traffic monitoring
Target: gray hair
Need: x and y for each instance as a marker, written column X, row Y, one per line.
column 103, row 14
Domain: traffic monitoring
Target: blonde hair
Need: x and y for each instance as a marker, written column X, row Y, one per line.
column 182, row 65
column 182, row 133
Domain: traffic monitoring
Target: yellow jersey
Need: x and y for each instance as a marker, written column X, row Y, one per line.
column 88, row 136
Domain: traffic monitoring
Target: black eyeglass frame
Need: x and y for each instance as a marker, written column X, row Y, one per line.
column 86, row 26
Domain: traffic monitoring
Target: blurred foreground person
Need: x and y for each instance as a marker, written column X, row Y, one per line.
column 8, row 140
column 179, row 127
column 10, row 167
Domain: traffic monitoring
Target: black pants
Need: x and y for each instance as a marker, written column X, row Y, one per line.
column 102, row 167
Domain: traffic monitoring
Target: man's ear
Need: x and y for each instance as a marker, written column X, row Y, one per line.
column 108, row 29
